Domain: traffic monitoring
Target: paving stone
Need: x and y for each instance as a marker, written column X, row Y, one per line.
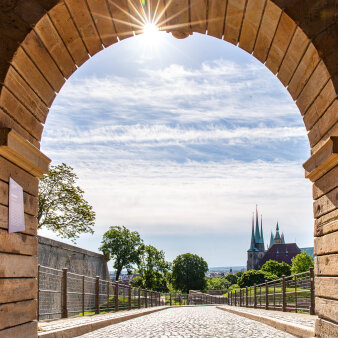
column 201, row 321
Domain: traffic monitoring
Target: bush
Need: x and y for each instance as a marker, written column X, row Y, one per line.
column 301, row 263
column 252, row 277
column 275, row 268
column 217, row 283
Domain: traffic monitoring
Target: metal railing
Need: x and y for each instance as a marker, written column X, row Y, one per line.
column 63, row 294
column 289, row 294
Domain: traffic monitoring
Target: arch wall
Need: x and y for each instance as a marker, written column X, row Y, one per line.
column 44, row 41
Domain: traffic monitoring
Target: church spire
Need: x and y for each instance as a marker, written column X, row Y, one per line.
column 271, row 241
column 253, row 244
column 262, row 238
column 277, row 232
column 282, row 237
column 257, row 234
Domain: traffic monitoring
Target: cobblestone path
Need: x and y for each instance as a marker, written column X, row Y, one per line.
column 202, row 321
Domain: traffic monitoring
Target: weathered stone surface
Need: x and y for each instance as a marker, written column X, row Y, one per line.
column 20, row 89
column 251, row 22
column 293, row 56
column 84, row 23
column 56, row 47
column 103, row 21
column 28, row 182
column 27, row 69
column 327, row 287
column 16, row 266
column 38, row 53
column 19, row 112
column 311, row 90
column 326, row 203
column 18, row 243
column 320, row 105
column 30, row 202
column 326, row 265
column 215, row 18
column 326, row 244
column 326, row 329
column 304, row 70
column 24, row 330
column 18, row 289
column 58, row 255
column 121, row 20
column 327, row 309
column 30, row 221
column 326, row 224
column 65, row 27
column 267, row 31
column 285, row 30
column 233, row 20
column 325, row 183
column 12, row 314
column 198, row 16
column 324, row 124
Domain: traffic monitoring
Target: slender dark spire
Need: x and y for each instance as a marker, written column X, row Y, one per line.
column 271, row 241
column 257, row 234
column 277, row 232
column 262, row 237
column 282, row 237
column 253, row 244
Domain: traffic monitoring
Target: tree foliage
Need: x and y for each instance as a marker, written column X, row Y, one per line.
column 231, row 278
column 125, row 247
column 62, row 207
column 275, row 268
column 188, row 272
column 301, row 263
column 251, row 277
column 153, row 269
column 217, row 283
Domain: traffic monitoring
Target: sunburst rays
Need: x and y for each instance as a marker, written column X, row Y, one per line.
column 136, row 14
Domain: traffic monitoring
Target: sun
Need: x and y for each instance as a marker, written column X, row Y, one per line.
column 150, row 29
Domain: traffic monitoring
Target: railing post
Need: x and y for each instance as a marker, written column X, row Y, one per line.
column 145, row 298
column 255, row 296
column 64, row 310
column 129, row 297
column 312, row 292
column 246, row 296
column 179, row 299
column 296, row 293
column 235, row 298
column 139, row 298
column 266, row 295
column 283, row 294
column 83, row 295
column 116, row 296
column 97, row 295
column 170, row 301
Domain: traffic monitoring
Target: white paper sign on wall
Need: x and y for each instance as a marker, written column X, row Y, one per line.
column 16, row 216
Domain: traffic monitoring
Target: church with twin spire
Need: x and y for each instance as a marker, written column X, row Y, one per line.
column 277, row 249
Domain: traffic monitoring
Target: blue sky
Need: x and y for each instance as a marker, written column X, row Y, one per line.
column 180, row 140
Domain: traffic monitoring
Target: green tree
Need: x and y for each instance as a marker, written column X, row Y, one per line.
column 62, row 207
column 251, row 277
column 217, row 283
column 275, row 268
column 301, row 263
column 153, row 269
column 231, row 278
column 125, row 247
column 188, row 272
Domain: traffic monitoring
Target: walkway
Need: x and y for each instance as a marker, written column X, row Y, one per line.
column 201, row 321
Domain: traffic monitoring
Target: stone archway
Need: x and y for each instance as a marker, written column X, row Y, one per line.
column 44, row 41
